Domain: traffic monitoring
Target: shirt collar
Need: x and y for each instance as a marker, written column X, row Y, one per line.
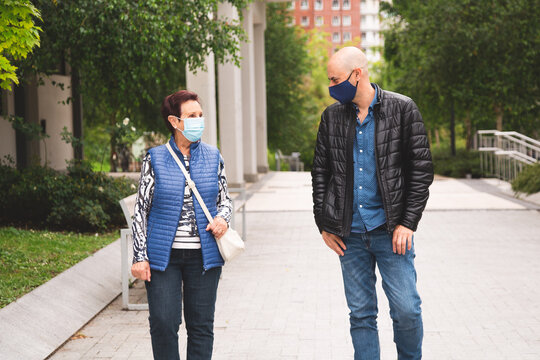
column 374, row 101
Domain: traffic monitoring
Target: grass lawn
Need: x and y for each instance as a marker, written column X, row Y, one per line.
column 29, row 258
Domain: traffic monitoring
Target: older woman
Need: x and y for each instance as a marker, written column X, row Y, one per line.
column 175, row 250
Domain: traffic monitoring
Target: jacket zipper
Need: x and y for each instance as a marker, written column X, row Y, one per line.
column 383, row 191
column 349, row 173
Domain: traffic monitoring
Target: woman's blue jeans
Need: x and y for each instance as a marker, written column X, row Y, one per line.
column 399, row 284
column 183, row 276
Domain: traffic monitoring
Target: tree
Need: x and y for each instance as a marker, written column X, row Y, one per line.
column 18, row 36
column 476, row 60
column 296, row 83
column 286, row 66
column 129, row 53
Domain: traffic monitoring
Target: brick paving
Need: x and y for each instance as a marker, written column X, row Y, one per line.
column 478, row 275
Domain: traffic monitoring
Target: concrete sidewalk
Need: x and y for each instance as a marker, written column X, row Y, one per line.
column 478, row 275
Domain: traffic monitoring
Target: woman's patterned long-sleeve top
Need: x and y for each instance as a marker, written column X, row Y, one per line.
column 187, row 234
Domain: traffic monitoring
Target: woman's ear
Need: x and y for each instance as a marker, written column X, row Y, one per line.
column 174, row 122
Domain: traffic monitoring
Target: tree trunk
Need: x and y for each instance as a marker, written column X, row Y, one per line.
column 499, row 117
column 113, row 156
column 437, row 138
column 77, row 113
column 468, row 131
column 452, row 128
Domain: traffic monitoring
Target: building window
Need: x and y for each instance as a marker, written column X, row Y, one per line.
column 304, row 4
column 346, row 20
column 318, row 4
column 305, row 21
column 319, row 20
column 335, row 20
column 363, row 19
column 336, row 37
column 346, row 5
column 335, row 4
column 291, row 5
column 346, row 36
column 363, row 35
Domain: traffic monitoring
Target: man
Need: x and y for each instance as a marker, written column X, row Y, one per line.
column 371, row 173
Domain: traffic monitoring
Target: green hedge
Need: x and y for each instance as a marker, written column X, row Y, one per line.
column 80, row 200
column 528, row 181
column 465, row 162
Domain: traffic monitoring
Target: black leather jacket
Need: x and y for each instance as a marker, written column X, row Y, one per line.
column 404, row 167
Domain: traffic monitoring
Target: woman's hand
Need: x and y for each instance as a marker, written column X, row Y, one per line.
column 141, row 270
column 218, row 227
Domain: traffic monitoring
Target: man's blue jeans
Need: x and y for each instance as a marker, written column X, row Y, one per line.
column 399, row 284
column 184, row 274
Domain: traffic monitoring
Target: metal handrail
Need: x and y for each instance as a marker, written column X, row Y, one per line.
column 504, row 154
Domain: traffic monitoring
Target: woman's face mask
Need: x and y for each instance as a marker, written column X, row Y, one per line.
column 193, row 128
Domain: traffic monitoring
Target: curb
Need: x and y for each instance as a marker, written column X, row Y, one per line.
column 35, row 325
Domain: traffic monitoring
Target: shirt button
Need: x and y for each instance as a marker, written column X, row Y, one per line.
column 360, row 205
column 360, row 133
column 361, row 169
column 361, row 150
column 360, row 187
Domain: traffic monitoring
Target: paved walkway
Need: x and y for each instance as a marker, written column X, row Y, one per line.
column 478, row 274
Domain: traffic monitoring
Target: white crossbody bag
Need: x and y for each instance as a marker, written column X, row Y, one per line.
column 230, row 244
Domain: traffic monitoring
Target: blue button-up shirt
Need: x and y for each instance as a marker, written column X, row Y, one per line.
column 368, row 210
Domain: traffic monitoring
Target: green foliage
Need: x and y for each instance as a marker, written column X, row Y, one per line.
column 80, row 200
column 528, row 181
column 477, row 59
column 465, row 162
column 29, row 258
column 96, row 147
column 30, row 130
column 18, row 36
column 130, row 54
column 296, row 83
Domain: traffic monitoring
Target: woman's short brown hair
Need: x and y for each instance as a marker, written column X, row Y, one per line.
column 172, row 105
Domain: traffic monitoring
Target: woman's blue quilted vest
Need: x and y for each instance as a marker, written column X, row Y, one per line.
column 169, row 198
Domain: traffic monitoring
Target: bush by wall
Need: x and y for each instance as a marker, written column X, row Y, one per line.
column 528, row 181
column 465, row 162
column 80, row 200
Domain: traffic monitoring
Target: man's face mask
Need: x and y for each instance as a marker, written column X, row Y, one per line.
column 193, row 128
column 344, row 92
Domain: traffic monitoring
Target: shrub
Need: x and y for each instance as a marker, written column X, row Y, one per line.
column 465, row 162
column 528, row 181
column 81, row 200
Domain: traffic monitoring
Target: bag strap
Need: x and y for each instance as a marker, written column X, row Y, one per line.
column 190, row 183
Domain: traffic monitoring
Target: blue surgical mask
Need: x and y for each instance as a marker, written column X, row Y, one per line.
column 344, row 92
column 193, row 128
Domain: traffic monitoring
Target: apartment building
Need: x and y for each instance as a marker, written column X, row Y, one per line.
column 344, row 20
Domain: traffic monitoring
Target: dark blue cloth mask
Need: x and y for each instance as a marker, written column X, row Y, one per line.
column 343, row 92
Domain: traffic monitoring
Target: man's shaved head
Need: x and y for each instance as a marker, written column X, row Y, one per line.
column 348, row 59
column 351, row 64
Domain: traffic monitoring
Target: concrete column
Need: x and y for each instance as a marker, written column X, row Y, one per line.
column 248, row 100
column 230, row 111
column 259, row 9
column 204, row 84
column 7, row 138
column 55, row 115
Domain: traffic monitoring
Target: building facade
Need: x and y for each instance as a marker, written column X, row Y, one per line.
column 345, row 21
column 339, row 18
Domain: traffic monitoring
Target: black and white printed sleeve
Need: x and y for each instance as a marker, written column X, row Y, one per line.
column 142, row 209
column 224, row 202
